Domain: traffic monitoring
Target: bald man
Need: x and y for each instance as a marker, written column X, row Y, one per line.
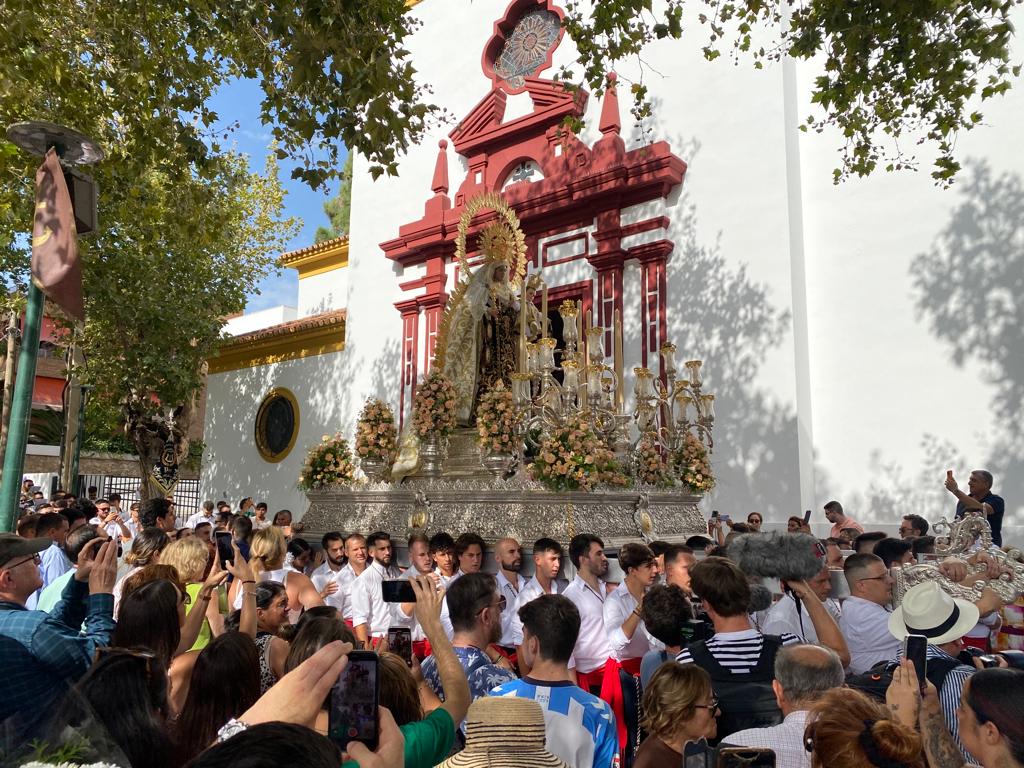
column 802, row 674
column 510, row 561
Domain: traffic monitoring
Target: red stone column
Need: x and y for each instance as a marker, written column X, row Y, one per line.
column 410, row 347
column 653, row 258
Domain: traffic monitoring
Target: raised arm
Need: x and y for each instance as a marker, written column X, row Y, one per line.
column 453, row 678
column 825, row 626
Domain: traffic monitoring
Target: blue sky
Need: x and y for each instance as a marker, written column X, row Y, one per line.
column 240, row 101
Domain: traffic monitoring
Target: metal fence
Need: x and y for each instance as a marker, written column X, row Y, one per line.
column 186, row 493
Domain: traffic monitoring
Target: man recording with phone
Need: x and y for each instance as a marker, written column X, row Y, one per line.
column 928, row 611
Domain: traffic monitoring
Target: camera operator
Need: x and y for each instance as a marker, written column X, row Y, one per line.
column 739, row 659
column 805, row 610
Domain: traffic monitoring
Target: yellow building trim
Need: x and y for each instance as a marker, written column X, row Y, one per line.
column 319, row 258
column 290, row 343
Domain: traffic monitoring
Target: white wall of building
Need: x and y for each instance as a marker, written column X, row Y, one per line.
column 323, row 293
column 255, row 321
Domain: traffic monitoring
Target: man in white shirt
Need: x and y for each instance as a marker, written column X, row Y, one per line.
column 784, row 617
column 679, row 559
column 404, row 614
column 469, row 551
column 53, row 562
column 588, row 593
column 110, row 521
column 327, row 577
column 625, row 629
column 358, row 558
column 802, row 674
column 260, row 521
column 865, row 620
column 204, row 515
column 509, row 554
column 442, row 552
column 547, row 561
column 371, row 616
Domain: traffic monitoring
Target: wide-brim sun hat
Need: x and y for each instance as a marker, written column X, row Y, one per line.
column 504, row 732
column 928, row 610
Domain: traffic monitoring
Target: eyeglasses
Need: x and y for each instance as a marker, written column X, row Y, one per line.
column 712, row 706
column 34, row 558
column 500, row 605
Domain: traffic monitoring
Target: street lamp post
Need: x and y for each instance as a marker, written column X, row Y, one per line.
column 73, row 149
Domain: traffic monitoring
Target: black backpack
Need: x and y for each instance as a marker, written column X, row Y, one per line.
column 876, row 680
column 745, row 699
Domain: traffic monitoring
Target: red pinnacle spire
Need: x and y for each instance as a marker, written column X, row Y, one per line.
column 440, row 182
column 610, row 122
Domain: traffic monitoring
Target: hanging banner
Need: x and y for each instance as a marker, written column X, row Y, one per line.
column 165, row 473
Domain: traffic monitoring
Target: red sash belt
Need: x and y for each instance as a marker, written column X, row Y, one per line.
column 611, row 691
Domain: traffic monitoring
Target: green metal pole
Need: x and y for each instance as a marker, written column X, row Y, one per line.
column 21, row 410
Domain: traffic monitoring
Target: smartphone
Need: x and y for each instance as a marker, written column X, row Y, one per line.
column 400, row 643
column 224, row 550
column 949, row 474
column 725, row 517
column 915, row 648
column 397, row 591
column 989, row 660
column 353, row 712
column 714, row 513
column 222, row 599
column 807, row 516
column 745, row 757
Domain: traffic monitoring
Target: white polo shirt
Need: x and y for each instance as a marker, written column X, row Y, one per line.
column 343, row 577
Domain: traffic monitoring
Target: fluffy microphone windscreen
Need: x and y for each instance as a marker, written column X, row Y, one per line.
column 789, row 556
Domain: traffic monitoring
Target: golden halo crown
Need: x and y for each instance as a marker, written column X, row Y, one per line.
column 502, row 240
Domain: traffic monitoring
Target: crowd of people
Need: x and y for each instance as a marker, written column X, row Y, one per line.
column 130, row 639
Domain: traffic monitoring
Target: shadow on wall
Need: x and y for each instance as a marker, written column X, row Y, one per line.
column 717, row 313
column 970, row 289
column 331, row 391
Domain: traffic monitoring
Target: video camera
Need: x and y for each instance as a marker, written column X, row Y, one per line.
column 697, row 754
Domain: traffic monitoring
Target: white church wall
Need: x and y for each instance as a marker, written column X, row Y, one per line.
column 323, row 293
column 232, row 467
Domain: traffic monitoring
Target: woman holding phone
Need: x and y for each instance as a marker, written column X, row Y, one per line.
column 267, row 559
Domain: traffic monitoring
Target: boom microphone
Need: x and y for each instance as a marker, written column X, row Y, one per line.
column 786, row 556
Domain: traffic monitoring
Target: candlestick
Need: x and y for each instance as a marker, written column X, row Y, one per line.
column 617, row 352
column 522, row 329
column 544, row 311
column 580, row 338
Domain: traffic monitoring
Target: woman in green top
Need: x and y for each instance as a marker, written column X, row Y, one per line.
column 190, row 557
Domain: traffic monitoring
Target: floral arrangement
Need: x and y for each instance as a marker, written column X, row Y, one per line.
column 433, row 410
column 574, row 458
column 329, row 462
column 649, row 465
column 496, row 420
column 376, row 435
column 692, row 466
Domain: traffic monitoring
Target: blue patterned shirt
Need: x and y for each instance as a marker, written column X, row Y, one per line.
column 482, row 675
column 55, row 640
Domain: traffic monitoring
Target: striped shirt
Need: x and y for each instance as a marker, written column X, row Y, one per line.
column 737, row 651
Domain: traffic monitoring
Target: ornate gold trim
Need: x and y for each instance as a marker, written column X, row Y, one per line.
column 267, row 348
column 318, row 258
column 261, row 445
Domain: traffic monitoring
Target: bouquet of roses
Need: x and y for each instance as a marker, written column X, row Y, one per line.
column 496, row 420
column 329, row 462
column 433, row 410
column 376, row 435
column 692, row 466
column 575, row 458
column 649, row 465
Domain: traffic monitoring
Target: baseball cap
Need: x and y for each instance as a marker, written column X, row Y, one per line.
column 13, row 546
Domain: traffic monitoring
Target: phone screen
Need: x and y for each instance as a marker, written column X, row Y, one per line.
column 746, row 757
column 227, row 554
column 353, row 714
column 397, row 591
column 915, row 648
column 400, row 643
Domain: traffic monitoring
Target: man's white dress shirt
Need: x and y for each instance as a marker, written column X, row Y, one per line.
column 510, row 592
column 398, row 617
column 200, row 517
column 343, row 577
column 866, row 628
column 592, row 646
column 617, row 607
column 782, row 618
column 368, row 606
column 531, row 591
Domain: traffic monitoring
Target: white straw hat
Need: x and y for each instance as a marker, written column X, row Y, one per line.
column 927, row 610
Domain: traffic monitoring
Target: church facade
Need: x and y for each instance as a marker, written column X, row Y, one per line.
column 821, row 311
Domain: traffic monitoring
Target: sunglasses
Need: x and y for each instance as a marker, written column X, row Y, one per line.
column 712, row 706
